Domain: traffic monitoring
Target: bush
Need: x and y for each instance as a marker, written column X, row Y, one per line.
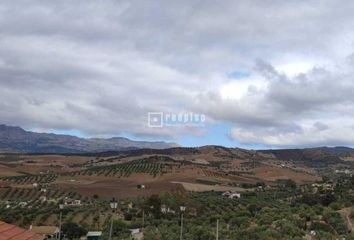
column 72, row 230
column 336, row 221
column 335, row 206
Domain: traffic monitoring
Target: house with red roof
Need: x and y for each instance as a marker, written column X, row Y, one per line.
column 12, row 232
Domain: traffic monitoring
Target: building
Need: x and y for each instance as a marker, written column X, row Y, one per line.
column 226, row 194
column 163, row 208
column 48, row 232
column 11, row 232
column 93, row 235
column 345, row 171
column 42, row 197
column 136, row 233
column 231, row 195
column 72, row 202
column 324, row 186
column 23, row 204
column 235, row 195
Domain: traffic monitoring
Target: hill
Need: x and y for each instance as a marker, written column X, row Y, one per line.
column 16, row 139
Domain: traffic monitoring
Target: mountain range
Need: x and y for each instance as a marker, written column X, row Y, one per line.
column 16, row 139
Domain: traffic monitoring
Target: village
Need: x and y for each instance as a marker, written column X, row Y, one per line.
column 59, row 210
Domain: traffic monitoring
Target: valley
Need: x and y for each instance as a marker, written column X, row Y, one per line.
column 36, row 184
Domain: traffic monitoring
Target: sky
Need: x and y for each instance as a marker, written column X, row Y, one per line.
column 264, row 74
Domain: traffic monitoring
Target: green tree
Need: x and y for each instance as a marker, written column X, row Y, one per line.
column 153, row 205
column 72, row 230
column 119, row 229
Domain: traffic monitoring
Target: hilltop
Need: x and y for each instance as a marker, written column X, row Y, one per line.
column 16, row 139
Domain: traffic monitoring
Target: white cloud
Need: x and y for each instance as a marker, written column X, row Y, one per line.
column 243, row 88
column 99, row 67
column 306, row 110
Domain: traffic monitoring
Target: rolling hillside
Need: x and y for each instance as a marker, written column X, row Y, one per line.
column 15, row 139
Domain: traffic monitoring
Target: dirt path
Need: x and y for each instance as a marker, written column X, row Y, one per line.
column 345, row 212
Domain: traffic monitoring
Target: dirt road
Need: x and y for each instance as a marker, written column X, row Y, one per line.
column 345, row 212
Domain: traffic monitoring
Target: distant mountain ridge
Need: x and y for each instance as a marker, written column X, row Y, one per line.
column 16, row 139
column 338, row 150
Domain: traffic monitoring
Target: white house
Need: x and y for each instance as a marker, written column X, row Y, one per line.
column 231, row 195
column 72, row 202
column 226, row 194
column 136, row 234
column 134, row 231
column 234, row 195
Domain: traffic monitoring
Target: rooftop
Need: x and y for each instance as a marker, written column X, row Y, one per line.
column 93, row 234
column 45, row 230
column 11, row 232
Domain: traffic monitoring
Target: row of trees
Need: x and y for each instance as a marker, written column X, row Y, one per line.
column 284, row 212
column 280, row 213
column 124, row 169
column 29, row 178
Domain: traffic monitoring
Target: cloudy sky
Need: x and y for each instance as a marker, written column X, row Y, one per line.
column 265, row 73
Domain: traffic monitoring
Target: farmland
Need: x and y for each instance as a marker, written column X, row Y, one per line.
column 270, row 188
column 119, row 173
column 284, row 211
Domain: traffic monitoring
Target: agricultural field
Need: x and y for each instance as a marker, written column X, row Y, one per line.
column 108, row 174
column 30, row 179
column 125, row 169
column 26, row 206
column 36, row 185
column 285, row 211
column 197, row 187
